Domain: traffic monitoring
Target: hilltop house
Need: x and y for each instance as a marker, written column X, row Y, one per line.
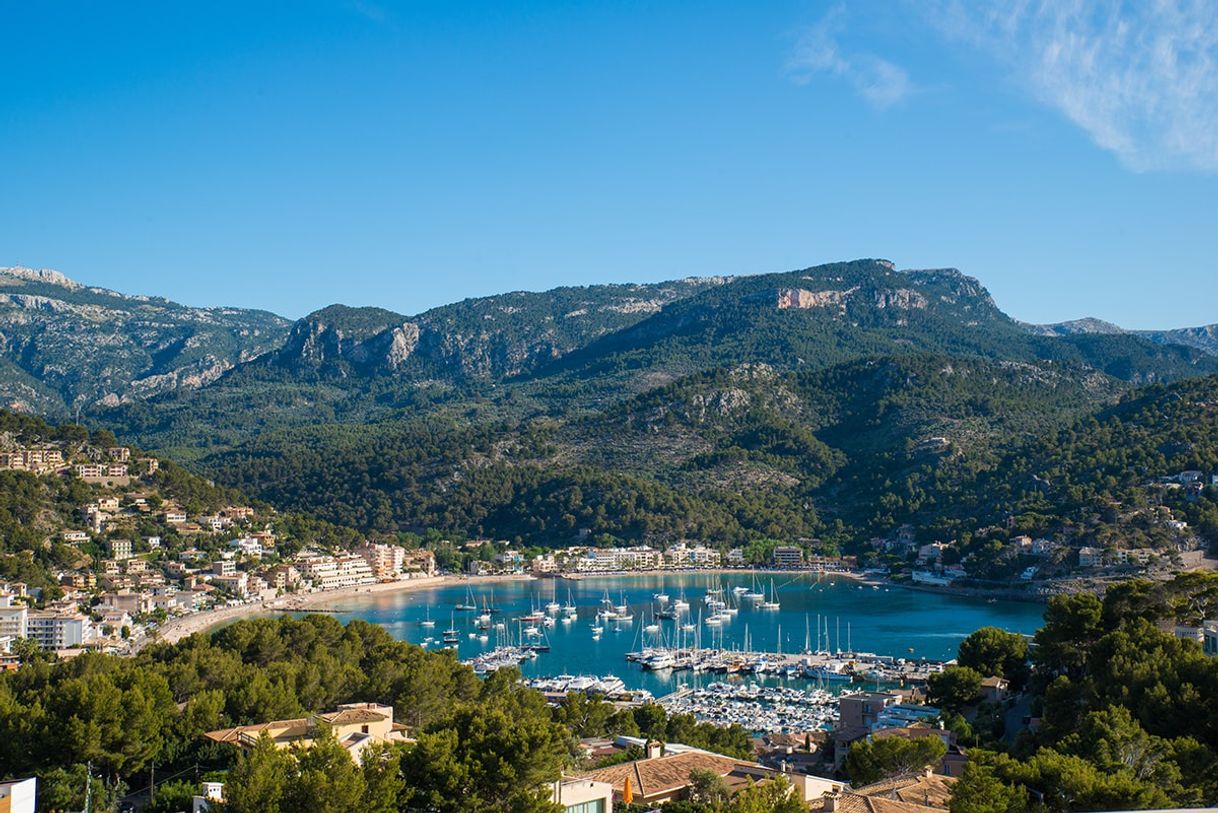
column 355, row 726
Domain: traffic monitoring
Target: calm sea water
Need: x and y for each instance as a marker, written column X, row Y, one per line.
column 886, row 621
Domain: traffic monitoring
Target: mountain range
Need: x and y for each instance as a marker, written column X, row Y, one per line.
column 64, row 344
column 844, row 396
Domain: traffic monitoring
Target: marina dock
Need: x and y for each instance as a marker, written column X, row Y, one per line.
column 822, row 667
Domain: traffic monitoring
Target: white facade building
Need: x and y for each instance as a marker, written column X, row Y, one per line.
column 602, row 560
column 57, row 630
column 385, row 561
column 13, row 618
column 682, row 555
column 334, row 572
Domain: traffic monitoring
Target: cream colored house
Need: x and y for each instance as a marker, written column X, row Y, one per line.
column 355, row 726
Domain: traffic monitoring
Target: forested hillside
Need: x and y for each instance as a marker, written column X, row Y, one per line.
column 1127, row 716
column 835, row 402
column 1112, row 473
column 724, row 455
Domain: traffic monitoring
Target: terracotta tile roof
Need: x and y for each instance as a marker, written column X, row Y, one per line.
column 932, row 791
column 651, row 777
column 347, row 716
column 278, row 729
column 854, row 803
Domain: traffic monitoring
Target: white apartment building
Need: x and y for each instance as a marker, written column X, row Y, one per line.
column 385, row 561
column 682, row 555
column 600, row 560
column 12, row 617
column 334, row 572
column 248, row 546
column 235, row 583
column 52, row 630
column 18, row 795
column 120, row 549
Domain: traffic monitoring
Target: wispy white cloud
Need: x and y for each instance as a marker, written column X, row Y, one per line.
column 817, row 52
column 1139, row 76
column 371, row 11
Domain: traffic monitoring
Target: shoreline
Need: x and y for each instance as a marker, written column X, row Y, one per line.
column 176, row 629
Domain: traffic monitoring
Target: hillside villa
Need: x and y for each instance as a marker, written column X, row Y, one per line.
column 355, row 726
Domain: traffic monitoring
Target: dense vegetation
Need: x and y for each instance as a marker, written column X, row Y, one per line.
column 1128, row 712
column 1098, row 481
column 841, row 454
column 482, row 745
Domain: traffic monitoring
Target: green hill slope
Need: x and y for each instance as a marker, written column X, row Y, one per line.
column 729, row 454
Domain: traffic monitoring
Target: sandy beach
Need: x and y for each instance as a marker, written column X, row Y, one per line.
column 176, row 629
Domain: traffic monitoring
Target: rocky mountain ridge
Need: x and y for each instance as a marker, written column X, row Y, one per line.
column 64, row 344
column 1204, row 338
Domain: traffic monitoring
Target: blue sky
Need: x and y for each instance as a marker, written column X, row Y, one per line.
column 290, row 155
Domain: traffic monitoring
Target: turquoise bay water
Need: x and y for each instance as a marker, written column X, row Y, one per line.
column 886, row 621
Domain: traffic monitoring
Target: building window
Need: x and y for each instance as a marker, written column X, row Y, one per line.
column 364, row 729
column 595, row 806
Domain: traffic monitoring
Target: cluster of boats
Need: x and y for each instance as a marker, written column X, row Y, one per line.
column 822, row 666
column 608, row 687
column 500, row 657
column 757, row 708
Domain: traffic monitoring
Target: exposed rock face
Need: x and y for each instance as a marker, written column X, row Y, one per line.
column 403, row 341
column 903, row 298
column 44, row 275
column 65, row 344
column 801, row 298
column 804, row 299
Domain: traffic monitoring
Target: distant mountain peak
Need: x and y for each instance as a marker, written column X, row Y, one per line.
column 47, row 276
column 1073, row 327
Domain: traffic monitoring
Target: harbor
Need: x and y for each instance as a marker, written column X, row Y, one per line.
column 776, row 709
column 662, row 632
column 819, row 667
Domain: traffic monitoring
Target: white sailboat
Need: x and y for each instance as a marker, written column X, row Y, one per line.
column 653, row 627
column 772, row 604
column 754, row 594
column 450, row 635
column 470, row 603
